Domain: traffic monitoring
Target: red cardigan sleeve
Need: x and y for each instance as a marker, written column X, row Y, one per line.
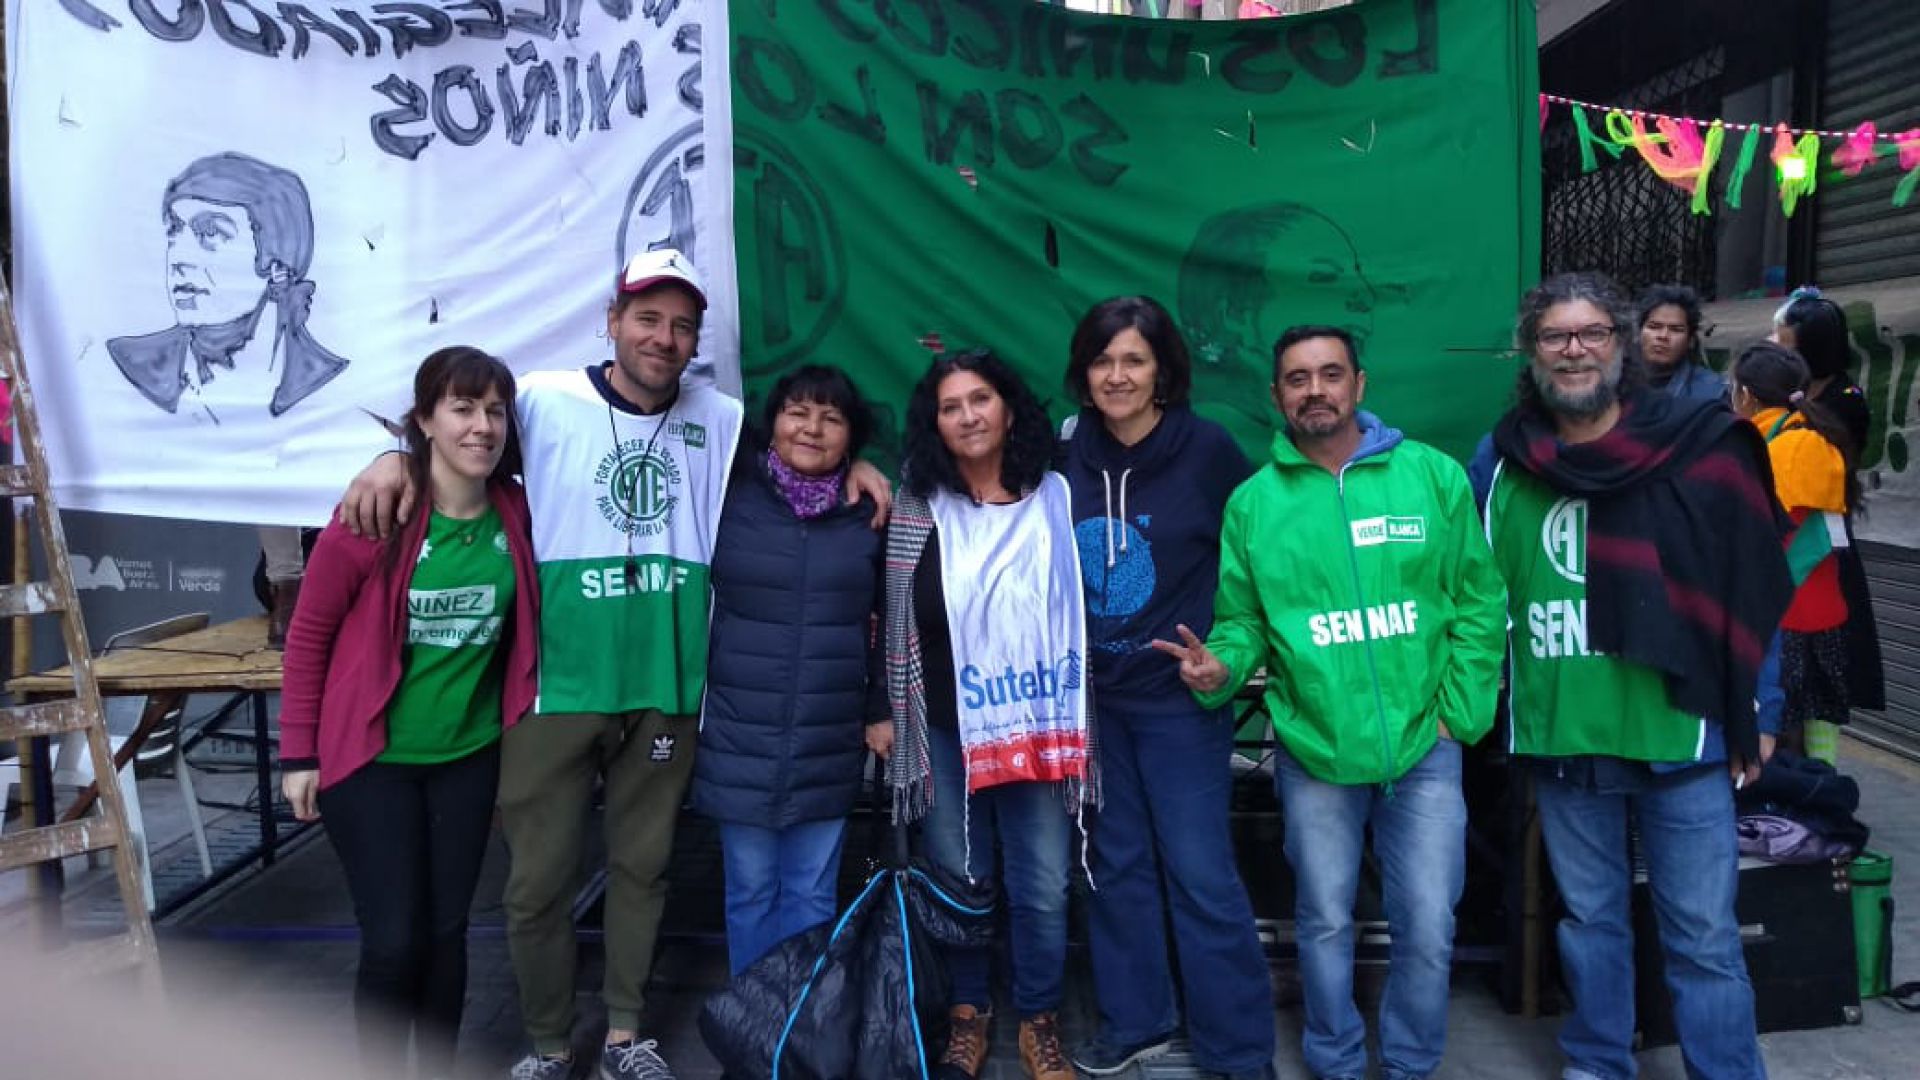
column 338, row 569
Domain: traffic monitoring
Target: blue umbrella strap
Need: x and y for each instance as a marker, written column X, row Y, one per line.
column 819, row 962
column 913, row 997
column 946, row 897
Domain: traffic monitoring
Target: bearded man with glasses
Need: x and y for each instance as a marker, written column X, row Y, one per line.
column 1640, row 544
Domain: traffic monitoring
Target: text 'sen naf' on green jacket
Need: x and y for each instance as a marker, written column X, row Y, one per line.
column 1370, row 597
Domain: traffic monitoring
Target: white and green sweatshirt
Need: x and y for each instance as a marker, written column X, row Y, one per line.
column 623, row 539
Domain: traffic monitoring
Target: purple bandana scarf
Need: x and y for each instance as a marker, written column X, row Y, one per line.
column 809, row 496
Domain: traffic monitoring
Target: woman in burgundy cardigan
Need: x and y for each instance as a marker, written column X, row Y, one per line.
column 405, row 662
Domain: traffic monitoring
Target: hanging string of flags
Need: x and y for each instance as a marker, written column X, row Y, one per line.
column 1684, row 151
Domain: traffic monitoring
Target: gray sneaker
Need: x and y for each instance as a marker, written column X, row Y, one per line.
column 542, row 1067
column 1103, row 1056
column 635, row 1059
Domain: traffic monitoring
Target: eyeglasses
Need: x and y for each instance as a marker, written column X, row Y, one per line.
column 1557, row 340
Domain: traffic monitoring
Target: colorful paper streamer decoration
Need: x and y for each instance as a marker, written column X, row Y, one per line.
column 1796, row 166
column 1859, row 151
column 1709, row 157
column 1677, row 151
column 1677, row 154
column 1742, row 165
column 1908, row 143
column 1583, row 134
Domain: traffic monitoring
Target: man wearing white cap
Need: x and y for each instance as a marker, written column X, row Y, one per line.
column 625, row 468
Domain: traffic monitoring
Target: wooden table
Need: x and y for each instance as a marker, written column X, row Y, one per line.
column 229, row 658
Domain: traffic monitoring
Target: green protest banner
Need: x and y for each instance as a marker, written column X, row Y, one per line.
column 917, row 174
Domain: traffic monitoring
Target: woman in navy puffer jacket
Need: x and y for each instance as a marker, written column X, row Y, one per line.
column 794, row 691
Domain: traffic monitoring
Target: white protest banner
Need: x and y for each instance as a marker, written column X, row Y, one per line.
column 240, row 225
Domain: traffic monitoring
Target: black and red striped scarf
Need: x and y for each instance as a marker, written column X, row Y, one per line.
column 1685, row 571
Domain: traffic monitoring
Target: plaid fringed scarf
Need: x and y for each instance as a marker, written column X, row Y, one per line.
column 909, row 769
column 1685, row 572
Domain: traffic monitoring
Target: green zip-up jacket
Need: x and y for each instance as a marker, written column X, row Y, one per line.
column 1370, row 597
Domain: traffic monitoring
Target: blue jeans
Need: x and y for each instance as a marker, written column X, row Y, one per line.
column 780, row 882
column 1686, row 825
column 1028, row 824
column 1420, row 839
column 1167, row 780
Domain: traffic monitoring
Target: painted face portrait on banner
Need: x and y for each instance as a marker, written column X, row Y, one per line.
column 239, row 238
column 222, row 306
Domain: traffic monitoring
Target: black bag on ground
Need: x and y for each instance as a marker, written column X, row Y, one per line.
column 1796, row 936
column 845, row 1001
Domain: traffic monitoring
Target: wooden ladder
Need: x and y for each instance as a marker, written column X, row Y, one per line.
column 107, row 830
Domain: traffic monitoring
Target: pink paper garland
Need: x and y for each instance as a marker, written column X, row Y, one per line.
column 1859, row 151
column 1908, row 143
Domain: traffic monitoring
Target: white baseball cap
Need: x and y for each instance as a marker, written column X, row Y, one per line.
column 650, row 268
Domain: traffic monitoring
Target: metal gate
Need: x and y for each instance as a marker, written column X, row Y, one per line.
column 1872, row 51
column 1893, row 575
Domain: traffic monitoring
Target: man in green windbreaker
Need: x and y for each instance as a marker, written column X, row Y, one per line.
column 1353, row 569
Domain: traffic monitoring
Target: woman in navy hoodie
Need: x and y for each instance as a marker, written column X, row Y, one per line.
column 1150, row 481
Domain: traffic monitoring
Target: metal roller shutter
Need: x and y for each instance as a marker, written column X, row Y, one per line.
column 1872, row 55
column 1893, row 576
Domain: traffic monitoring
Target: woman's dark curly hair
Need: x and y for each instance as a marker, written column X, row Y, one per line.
column 928, row 464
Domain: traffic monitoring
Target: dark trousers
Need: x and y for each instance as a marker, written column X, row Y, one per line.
column 411, row 838
column 1163, row 860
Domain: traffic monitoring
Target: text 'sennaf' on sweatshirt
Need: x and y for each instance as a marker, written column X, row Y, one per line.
column 1147, row 521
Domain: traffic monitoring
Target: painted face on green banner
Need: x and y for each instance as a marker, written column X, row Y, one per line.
column 1253, row 272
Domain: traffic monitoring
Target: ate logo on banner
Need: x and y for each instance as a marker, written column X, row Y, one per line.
column 792, row 253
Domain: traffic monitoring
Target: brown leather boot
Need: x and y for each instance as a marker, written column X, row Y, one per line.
column 966, row 1042
column 1040, row 1048
column 280, row 616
